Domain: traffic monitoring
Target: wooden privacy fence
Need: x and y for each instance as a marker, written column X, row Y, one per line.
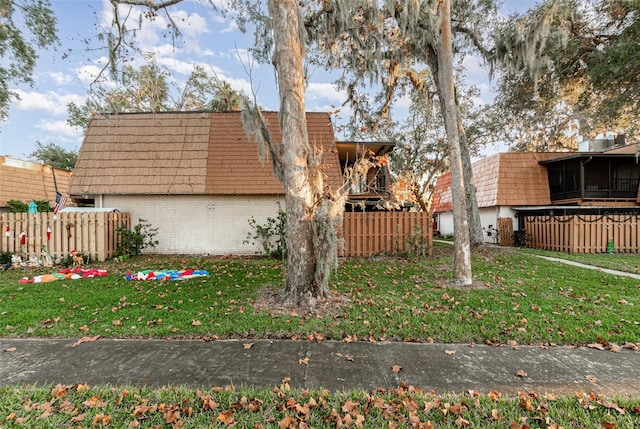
column 584, row 233
column 92, row 234
column 370, row 233
column 505, row 231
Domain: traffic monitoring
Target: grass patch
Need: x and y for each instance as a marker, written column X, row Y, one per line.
column 522, row 299
column 78, row 406
column 627, row 262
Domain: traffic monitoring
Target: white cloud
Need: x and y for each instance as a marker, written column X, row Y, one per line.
column 60, row 78
column 88, row 73
column 231, row 27
column 474, row 65
column 49, row 101
column 59, row 128
column 325, row 91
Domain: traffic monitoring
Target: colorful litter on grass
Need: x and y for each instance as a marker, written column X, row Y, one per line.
column 166, row 275
column 66, row 274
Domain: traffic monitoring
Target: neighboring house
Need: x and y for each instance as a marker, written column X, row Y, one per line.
column 196, row 176
column 602, row 178
column 28, row 181
column 369, row 191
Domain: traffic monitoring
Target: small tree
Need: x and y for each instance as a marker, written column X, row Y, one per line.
column 54, row 155
column 133, row 242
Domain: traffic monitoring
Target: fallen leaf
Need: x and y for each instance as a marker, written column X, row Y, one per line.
column 94, row 402
column 591, row 378
column 226, row 418
column 84, row 328
column 10, row 349
column 247, row 346
column 116, row 322
column 196, row 323
column 495, row 395
column 287, row 422
column 495, row 415
column 521, row 373
column 612, row 406
column 396, row 368
column 614, row 348
column 608, row 425
column 450, row 352
column 304, row 361
column 462, row 422
column 85, row 340
column 596, row 346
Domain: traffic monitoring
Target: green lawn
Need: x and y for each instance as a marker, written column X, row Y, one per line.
column 517, row 298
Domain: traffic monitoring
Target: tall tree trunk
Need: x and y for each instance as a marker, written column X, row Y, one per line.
column 462, row 248
column 296, row 152
column 473, row 213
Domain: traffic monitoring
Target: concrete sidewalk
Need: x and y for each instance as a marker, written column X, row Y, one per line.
column 329, row 364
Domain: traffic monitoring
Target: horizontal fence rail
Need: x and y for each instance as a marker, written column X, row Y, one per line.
column 584, row 233
column 370, row 233
column 92, row 234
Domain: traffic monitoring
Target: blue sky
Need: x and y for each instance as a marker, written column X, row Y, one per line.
column 208, row 39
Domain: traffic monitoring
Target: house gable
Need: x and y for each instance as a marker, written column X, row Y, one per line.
column 503, row 179
column 28, row 181
column 180, row 153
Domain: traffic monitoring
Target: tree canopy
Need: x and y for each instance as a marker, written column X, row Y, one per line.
column 152, row 88
column 54, row 155
column 24, row 26
column 567, row 69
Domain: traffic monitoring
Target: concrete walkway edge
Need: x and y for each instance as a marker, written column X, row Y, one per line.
column 334, row 365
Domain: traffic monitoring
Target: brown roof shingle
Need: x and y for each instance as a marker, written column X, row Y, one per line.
column 185, row 153
column 28, row 181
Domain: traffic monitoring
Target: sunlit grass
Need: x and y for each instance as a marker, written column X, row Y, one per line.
column 77, row 406
column 517, row 298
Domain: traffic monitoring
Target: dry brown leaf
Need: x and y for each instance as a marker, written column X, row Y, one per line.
column 612, row 406
column 596, row 346
column 247, row 346
column 10, row 349
column 450, row 352
column 495, row 415
column 94, row 402
column 608, row 425
column 396, row 368
column 304, row 361
column 495, row 395
column 287, row 422
column 462, row 422
column 591, row 378
column 226, row 418
column 88, row 339
column 521, row 373
column 196, row 322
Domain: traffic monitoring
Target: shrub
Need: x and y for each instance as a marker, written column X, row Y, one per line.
column 417, row 244
column 272, row 236
column 134, row 241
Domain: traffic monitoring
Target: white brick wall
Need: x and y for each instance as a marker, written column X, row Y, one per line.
column 198, row 224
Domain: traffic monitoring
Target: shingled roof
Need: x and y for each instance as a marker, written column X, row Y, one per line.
column 503, row 179
column 30, row 181
column 185, row 153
